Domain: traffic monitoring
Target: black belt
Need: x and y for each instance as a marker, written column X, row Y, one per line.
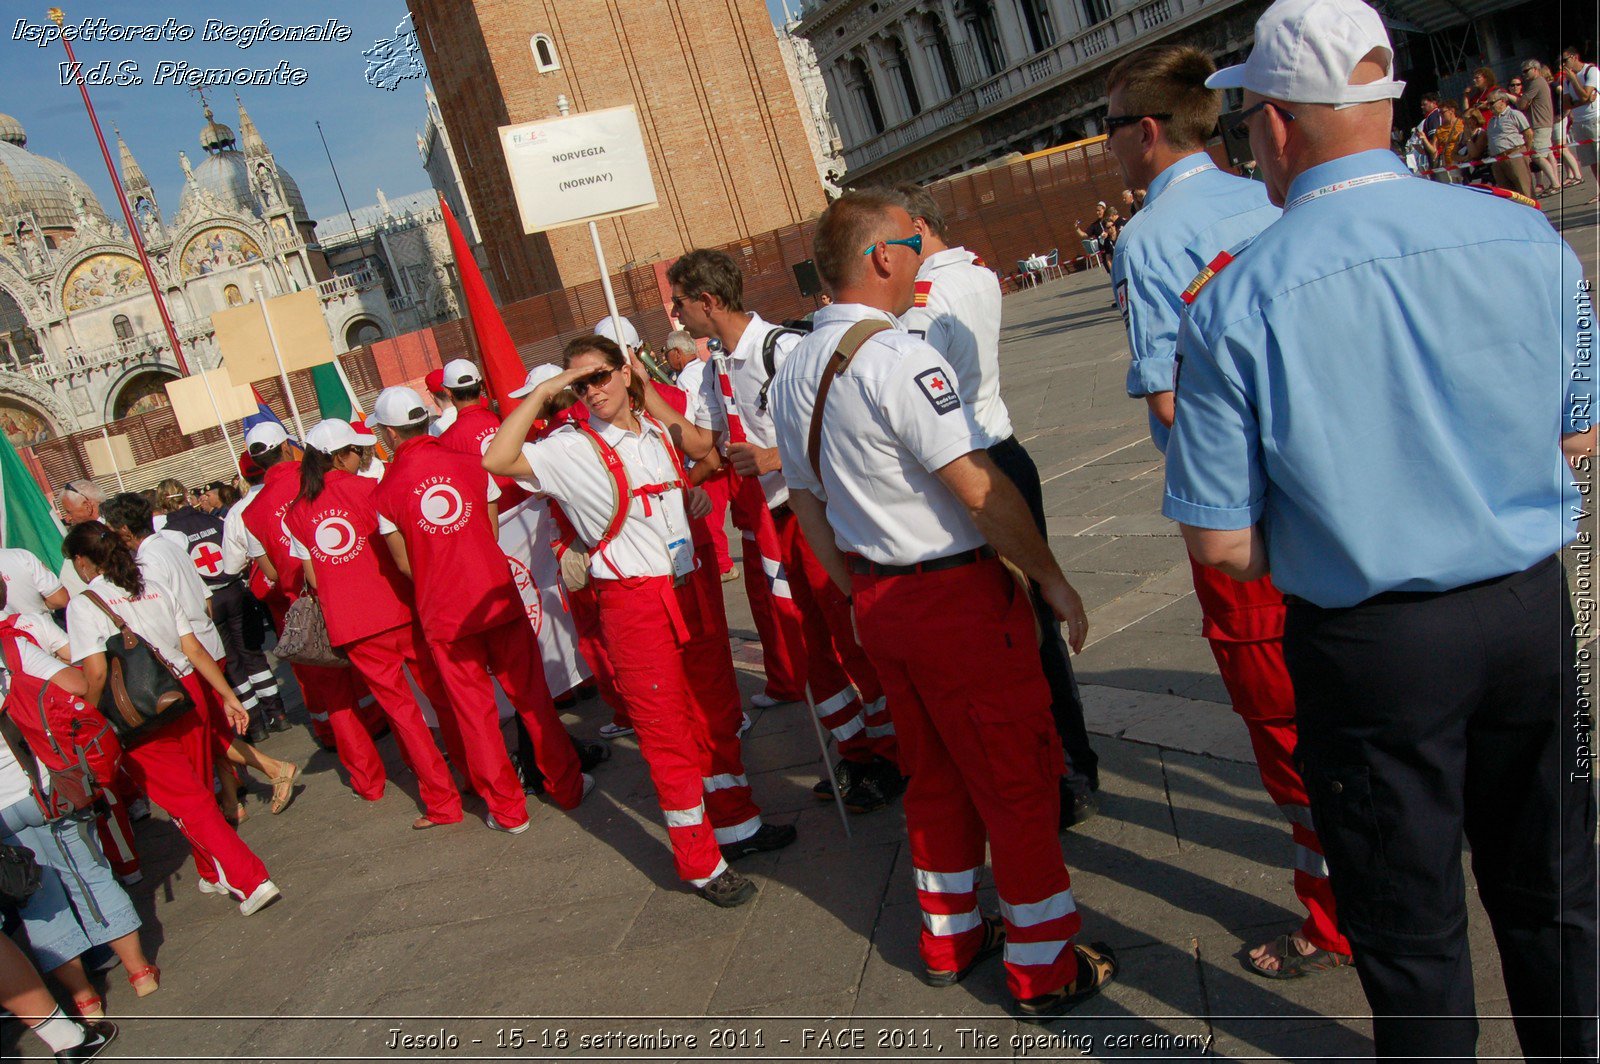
column 861, row 565
column 1397, row 598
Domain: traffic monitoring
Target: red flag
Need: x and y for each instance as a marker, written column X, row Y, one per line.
column 502, row 369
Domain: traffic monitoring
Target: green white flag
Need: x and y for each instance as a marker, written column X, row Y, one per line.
column 30, row 520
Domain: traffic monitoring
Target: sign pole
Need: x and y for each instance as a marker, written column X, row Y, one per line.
column 283, row 374
column 112, row 455
column 605, row 278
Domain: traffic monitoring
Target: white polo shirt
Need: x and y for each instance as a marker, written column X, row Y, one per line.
column 41, row 627
column 748, row 372
column 236, row 539
column 698, row 381
column 891, row 421
column 28, row 582
column 568, row 469
column 165, row 563
column 957, row 310
column 153, row 616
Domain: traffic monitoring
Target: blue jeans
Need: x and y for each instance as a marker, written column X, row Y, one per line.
column 79, row 903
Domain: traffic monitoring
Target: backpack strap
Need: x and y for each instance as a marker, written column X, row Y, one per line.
column 769, row 361
column 849, row 344
column 9, row 731
column 621, row 493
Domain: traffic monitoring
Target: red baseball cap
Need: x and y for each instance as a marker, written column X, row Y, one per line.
column 248, row 467
column 434, row 381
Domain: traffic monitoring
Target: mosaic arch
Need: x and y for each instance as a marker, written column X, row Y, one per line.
column 212, row 250
column 143, row 393
column 103, row 278
column 24, row 425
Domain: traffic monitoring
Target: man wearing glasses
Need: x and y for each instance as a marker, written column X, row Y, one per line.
column 1161, row 114
column 1350, row 420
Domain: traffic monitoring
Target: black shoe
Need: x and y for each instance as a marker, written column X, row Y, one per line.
column 256, row 735
column 865, row 796
column 767, row 837
column 101, row 1034
column 994, row 939
column 728, row 890
column 591, row 754
column 887, row 774
column 1097, row 966
column 280, row 723
column 846, row 772
column 1077, row 808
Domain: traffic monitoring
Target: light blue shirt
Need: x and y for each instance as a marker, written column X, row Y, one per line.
column 1382, row 379
column 1191, row 212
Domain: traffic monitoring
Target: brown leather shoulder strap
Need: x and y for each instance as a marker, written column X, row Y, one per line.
column 858, row 334
column 94, row 597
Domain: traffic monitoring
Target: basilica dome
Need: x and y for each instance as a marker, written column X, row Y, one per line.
column 226, row 175
column 33, row 184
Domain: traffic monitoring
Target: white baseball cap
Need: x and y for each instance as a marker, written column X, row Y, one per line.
column 1306, row 51
column 536, row 376
column 459, row 373
column 628, row 336
column 398, row 407
column 335, row 435
column 264, row 437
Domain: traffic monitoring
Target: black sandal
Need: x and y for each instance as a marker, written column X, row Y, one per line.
column 994, row 938
column 1292, row 964
column 1096, row 962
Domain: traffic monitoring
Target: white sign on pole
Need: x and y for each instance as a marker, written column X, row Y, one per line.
column 578, row 168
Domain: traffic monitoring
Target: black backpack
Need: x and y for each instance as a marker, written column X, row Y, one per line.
column 769, row 355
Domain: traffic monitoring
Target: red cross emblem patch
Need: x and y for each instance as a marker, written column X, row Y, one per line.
column 938, row 389
column 207, row 559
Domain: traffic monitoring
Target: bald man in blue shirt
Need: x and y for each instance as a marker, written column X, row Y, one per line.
column 1349, row 418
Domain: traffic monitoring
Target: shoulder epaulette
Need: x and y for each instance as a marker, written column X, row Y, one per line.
column 1506, row 194
column 923, row 290
column 1202, row 279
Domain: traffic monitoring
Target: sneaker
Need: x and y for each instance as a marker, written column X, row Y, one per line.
column 495, row 825
column 728, row 890
column 767, row 837
column 744, row 725
column 101, row 1034
column 207, row 887
column 730, row 576
column 614, row 731
column 260, row 898
column 588, row 785
column 846, row 772
column 762, row 700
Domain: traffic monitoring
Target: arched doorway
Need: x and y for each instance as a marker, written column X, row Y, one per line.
column 361, row 332
column 142, row 393
column 23, row 424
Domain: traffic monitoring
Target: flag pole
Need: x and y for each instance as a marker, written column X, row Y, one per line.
column 134, row 234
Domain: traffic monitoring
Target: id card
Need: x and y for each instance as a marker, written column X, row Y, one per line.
column 682, row 552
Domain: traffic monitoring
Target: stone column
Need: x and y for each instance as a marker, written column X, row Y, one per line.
column 1068, row 18
column 931, row 88
column 1013, row 32
column 842, row 105
column 891, row 99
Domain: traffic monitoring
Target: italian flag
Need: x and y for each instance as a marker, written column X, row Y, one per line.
column 30, row 520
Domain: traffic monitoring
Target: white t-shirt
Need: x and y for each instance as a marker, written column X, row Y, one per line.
column 748, row 372
column 41, row 627
column 14, row 783
column 446, row 418
column 28, row 582
column 153, row 616
column 238, row 545
column 891, row 423
column 1584, row 114
column 567, row 468
column 163, row 562
column 957, row 310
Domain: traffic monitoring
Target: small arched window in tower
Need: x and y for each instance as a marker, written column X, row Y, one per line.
column 123, row 327
column 231, row 294
column 544, row 53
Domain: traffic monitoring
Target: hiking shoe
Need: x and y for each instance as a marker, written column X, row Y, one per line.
column 728, row 890
column 1077, row 808
column 257, row 734
column 767, row 837
column 846, row 772
column 280, row 723
column 590, row 754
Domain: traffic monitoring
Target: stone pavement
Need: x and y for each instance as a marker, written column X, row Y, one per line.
column 579, row 930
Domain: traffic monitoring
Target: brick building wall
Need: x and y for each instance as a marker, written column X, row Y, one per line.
column 727, row 148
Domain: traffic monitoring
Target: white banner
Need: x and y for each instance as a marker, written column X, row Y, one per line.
column 578, row 168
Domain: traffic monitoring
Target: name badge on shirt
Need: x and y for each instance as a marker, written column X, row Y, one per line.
column 682, row 552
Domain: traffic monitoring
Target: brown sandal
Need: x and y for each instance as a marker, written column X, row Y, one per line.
column 281, row 798
column 1292, row 964
column 994, row 938
column 1097, row 966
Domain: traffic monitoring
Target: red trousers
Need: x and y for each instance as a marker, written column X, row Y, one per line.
column 592, row 645
column 956, row 652
column 856, row 713
column 766, row 585
column 173, row 766
column 648, row 620
column 1244, row 624
column 719, row 708
column 380, row 659
column 510, row 653
column 721, row 490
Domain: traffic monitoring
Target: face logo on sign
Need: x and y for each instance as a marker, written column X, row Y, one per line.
column 442, row 506
column 336, row 537
column 937, row 389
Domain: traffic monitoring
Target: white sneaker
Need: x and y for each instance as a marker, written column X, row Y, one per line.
column 263, row 896
column 588, row 785
column 614, row 731
column 520, row 828
column 762, row 700
column 213, row 888
column 745, row 726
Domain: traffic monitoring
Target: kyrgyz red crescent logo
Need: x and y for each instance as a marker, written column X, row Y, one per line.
column 336, row 537
column 442, row 505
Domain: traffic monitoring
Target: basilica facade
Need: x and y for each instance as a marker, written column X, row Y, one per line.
column 81, row 339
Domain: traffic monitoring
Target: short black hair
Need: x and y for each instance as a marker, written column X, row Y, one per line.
column 467, row 393
column 1430, row 97
column 131, row 511
column 270, row 457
